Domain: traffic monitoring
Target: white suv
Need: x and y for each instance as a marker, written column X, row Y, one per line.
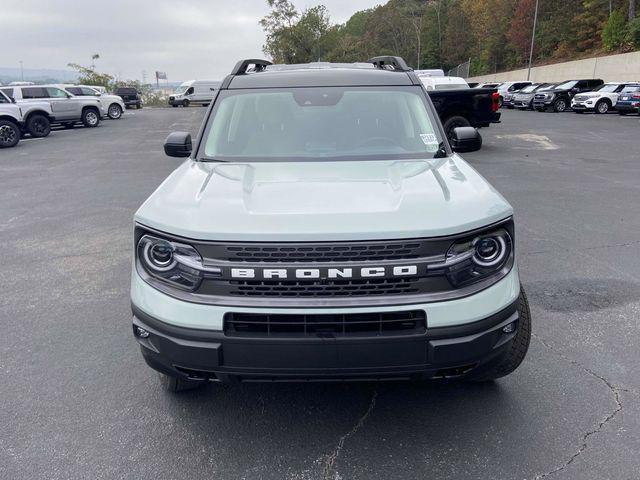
column 113, row 105
column 599, row 100
column 33, row 117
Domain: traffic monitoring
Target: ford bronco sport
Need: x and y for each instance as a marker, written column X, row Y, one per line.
column 323, row 228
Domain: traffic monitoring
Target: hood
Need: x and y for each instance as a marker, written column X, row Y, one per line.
column 316, row 201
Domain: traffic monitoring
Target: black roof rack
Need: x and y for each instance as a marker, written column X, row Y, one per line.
column 243, row 65
column 384, row 62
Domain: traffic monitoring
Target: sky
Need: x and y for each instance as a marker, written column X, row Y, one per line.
column 191, row 39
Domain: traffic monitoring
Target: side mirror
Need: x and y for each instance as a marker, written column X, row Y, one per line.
column 466, row 139
column 178, row 144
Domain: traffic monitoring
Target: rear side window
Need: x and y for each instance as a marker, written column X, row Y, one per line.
column 56, row 92
column 34, row 92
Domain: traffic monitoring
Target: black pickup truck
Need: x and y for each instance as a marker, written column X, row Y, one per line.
column 130, row 96
column 475, row 107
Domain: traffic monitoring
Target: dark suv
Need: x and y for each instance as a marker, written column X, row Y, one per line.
column 130, row 96
column 559, row 98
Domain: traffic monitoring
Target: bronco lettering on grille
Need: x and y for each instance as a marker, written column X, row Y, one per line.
column 324, row 273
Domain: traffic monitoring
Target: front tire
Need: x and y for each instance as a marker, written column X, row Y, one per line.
column 38, row 126
column 90, row 117
column 185, row 103
column 115, row 111
column 602, row 107
column 177, row 385
column 9, row 134
column 454, row 122
column 560, row 105
column 518, row 349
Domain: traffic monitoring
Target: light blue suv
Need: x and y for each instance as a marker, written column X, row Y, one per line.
column 322, row 228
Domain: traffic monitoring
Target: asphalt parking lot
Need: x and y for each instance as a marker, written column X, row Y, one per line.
column 78, row 402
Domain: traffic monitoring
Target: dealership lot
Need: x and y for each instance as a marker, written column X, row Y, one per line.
column 78, row 402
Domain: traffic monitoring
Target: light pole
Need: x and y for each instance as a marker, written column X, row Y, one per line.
column 533, row 39
column 21, row 71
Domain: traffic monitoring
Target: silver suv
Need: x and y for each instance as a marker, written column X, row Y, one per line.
column 67, row 108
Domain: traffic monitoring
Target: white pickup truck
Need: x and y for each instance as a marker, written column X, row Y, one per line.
column 29, row 117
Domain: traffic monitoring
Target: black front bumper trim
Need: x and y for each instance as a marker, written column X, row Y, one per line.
column 210, row 355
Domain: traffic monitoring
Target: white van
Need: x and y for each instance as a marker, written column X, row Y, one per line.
column 443, row 83
column 194, row 91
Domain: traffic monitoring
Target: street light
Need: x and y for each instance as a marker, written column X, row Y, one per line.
column 533, row 39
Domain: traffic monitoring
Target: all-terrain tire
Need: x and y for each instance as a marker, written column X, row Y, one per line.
column 454, row 122
column 38, row 125
column 90, row 117
column 9, row 134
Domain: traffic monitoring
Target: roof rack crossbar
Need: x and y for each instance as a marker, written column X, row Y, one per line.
column 243, row 65
column 384, row 62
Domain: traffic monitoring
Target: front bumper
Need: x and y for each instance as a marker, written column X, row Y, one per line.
column 439, row 353
column 582, row 106
column 461, row 336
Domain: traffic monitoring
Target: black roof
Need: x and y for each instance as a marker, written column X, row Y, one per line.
column 375, row 72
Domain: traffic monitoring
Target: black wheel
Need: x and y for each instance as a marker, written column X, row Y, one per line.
column 38, row 125
column 138, row 106
column 115, row 111
column 602, row 107
column 9, row 134
column 454, row 122
column 560, row 105
column 90, row 117
column 175, row 384
column 518, row 349
column 500, row 101
column 174, row 106
column 185, row 103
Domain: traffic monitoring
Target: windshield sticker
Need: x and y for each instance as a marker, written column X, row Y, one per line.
column 431, row 141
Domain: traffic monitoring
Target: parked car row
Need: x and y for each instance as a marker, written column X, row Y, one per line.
column 32, row 109
column 585, row 95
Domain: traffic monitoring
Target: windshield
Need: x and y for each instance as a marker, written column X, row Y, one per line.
column 567, row 85
column 607, row 87
column 322, row 123
column 181, row 89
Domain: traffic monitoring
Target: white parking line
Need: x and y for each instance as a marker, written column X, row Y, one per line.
column 540, row 142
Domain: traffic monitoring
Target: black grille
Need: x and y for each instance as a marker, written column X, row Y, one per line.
column 319, row 325
column 323, row 253
column 333, row 288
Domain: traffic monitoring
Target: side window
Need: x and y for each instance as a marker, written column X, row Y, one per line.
column 8, row 92
column 4, row 99
column 74, row 90
column 620, row 88
column 34, row 92
column 89, row 92
column 56, row 92
column 189, row 91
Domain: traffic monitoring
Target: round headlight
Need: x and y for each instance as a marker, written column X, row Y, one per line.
column 159, row 255
column 489, row 251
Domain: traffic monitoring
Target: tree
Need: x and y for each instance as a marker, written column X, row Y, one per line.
column 613, row 34
column 632, row 10
column 89, row 76
column 294, row 37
